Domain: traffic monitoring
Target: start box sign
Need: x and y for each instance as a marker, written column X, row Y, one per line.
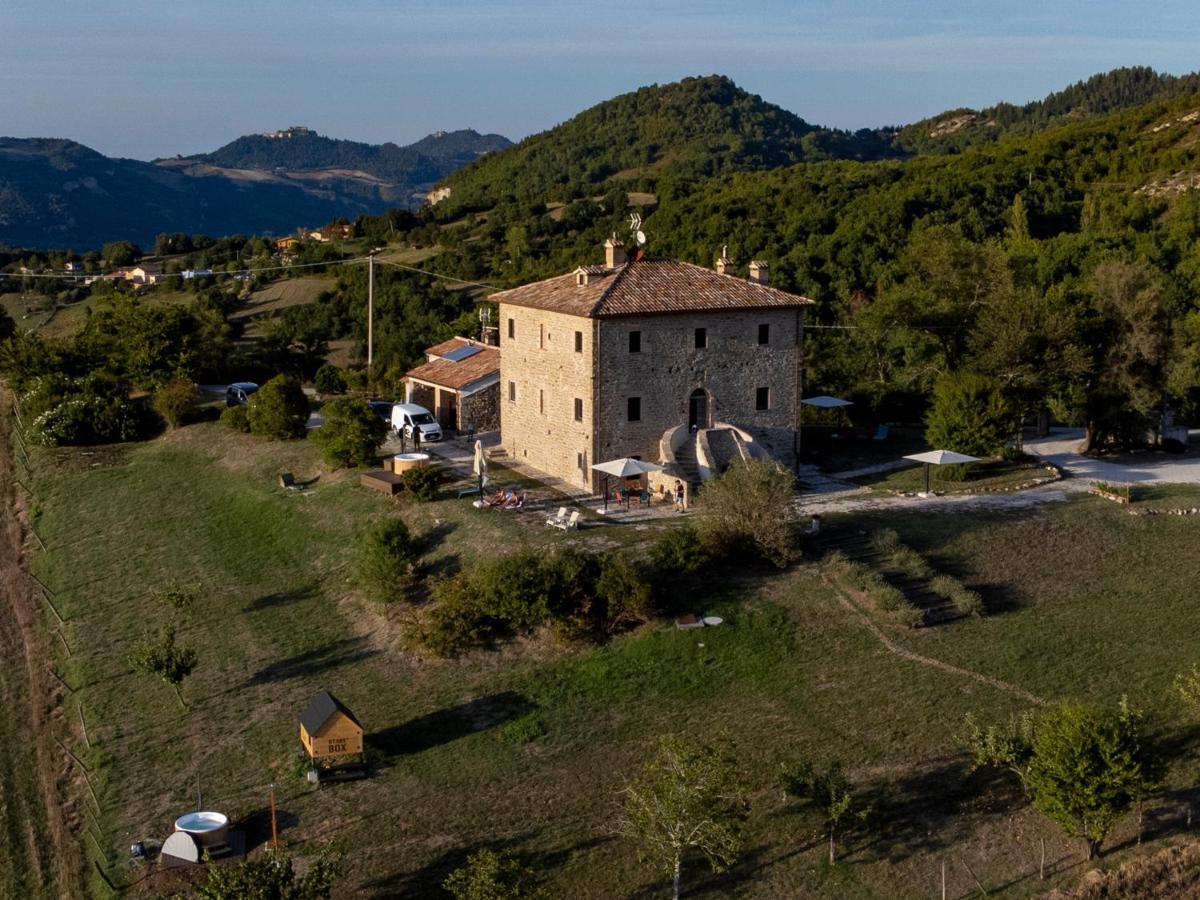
column 336, row 745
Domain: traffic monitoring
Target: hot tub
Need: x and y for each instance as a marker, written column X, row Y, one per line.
column 209, row 829
column 402, row 462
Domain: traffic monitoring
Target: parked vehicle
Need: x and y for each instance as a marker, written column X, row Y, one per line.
column 238, row 393
column 408, row 418
column 383, row 409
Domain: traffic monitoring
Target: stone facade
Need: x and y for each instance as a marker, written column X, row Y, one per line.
column 541, row 377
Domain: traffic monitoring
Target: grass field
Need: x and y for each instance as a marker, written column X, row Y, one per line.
column 279, row 295
column 46, row 317
column 1086, row 602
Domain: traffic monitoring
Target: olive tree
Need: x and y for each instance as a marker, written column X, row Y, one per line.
column 687, row 798
column 279, row 409
column 157, row 653
column 1083, row 766
column 488, row 875
column 351, row 434
column 830, row 793
column 752, row 504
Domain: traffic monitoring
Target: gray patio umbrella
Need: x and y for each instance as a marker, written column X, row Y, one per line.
column 625, row 467
column 940, row 458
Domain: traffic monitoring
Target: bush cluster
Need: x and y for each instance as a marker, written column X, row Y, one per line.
column 279, row 410
column 236, row 418
column 351, row 434
column 177, row 401
column 63, row 411
column 885, row 596
column 387, row 560
column 422, row 482
column 330, row 380
column 965, row 600
column 576, row 594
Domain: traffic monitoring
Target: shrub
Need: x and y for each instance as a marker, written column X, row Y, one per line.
column 624, row 591
column 236, row 418
column 387, row 560
column 969, row 414
column 492, row 876
column 330, row 380
column 677, row 553
column 422, row 482
column 64, row 411
column 279, row 409
column 750, row 506
column 965, row 600
column 351, row 434
column 572, row 603
column 456, row 621
column 177, row 401
column 516, row 589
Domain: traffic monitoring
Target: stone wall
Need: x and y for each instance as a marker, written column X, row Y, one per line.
column 538, row 427
column 669, row 368
column 482, row 408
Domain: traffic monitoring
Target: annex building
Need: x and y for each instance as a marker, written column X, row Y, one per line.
column 647, row 357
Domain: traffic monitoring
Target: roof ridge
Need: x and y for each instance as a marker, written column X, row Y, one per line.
column 619, row 273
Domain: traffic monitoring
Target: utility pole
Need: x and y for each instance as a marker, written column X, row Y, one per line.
column 370, row 310
column 274, row 827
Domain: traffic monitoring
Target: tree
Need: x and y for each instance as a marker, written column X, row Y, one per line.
column 387, row 559
column 751, row 505
column 1083, row 766
column 492, row 876
column 687, row 798
column 271, row 877
column 158, row 654
column 351, row 434
column 121, row 253
column 970, row 414
column 831, row 794
column 330, row 380
column 7, row 326
column 176, row 401
column 279, row 409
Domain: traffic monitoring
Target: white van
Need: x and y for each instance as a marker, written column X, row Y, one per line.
column 408, row 417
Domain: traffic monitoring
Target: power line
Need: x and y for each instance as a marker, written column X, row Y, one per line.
column 67, row 276
column 481, row 284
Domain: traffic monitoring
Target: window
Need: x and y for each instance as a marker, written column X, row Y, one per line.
column 578, row 410
column 541, row 337
column 701, row 338
column 579, row 342
column 542, row 402
column 764, row 333
column 635, row 409
column 635, row 342
column 512, row 329
column 512, row 392
column 762, row 398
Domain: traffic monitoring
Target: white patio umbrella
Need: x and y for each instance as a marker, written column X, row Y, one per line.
column 480, row 467
column 940, row 458
column 625, row 467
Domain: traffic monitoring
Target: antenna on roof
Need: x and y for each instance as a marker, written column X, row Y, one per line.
column 635, row 225
column 725, row 252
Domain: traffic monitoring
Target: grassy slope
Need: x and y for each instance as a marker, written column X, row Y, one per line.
column 791, row 674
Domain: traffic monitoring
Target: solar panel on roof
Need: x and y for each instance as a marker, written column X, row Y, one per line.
column 458, row 354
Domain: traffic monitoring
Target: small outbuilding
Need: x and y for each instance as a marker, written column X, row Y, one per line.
column 328, row 730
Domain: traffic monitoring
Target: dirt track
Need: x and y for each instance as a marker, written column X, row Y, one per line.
column 38, row 859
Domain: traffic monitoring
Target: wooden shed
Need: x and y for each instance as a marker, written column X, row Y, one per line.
column 328, row 730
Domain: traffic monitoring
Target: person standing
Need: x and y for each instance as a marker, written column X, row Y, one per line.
column 678, row 495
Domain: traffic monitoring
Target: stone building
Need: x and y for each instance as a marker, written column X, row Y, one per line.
column 652, row 358
column 460, row 384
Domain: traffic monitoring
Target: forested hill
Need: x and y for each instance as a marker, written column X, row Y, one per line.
column 1107, row 92
column 300, row 149
column 696, row 127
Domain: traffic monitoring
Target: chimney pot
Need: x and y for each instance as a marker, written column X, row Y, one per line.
column 760, row 271
column 614, row 253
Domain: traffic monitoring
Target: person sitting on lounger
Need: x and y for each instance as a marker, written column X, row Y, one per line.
column 499, row 498
column 515, row 501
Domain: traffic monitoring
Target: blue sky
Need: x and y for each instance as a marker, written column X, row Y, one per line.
column 145, row 79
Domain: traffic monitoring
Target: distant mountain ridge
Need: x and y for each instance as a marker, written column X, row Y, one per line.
column 1112, row 91
column 427, row 160
column 59, row 193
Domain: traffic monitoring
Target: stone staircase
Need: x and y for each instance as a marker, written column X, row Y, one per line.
column 855, row 544
column 686, row 458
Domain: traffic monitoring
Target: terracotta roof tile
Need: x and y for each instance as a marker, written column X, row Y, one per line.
column 457, row 375
column 648, row 286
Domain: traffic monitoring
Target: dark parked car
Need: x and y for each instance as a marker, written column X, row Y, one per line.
column 238, row 393
column 381, row 408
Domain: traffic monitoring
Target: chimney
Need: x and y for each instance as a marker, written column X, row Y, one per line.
column 614, row 253
column 760, row 271
column 724, row 263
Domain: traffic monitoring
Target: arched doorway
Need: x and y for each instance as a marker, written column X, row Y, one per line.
column 698, row 410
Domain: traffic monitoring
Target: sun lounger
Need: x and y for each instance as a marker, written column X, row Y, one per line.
column 567, row 524
column 559, row 518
